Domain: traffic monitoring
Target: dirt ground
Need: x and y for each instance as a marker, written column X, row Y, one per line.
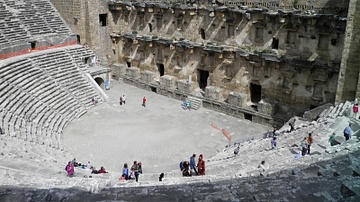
column 159, row 135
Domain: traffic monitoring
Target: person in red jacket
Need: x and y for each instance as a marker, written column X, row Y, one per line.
column 144, row 102
column 355, row 110
column 201, row 165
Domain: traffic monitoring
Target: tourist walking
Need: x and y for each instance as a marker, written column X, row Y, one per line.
column 144, row 102
column 348, row 132
column 121, row 100
column 135, row 170
column 124, row 98
column 273, row 143
column 201, row 165
column 355, row 110
column 310, row 140
column 193, row 164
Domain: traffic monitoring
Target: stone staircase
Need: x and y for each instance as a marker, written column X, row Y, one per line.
column 197, row 103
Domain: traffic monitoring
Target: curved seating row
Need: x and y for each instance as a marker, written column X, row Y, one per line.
column 41, row 93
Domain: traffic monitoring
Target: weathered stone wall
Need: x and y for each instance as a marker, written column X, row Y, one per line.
column 294, row 56
column 290, row 52
column 348, row 87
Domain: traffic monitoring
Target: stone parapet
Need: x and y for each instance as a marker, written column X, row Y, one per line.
column 237, row 99
column 147, row 76
column 184, row 86
column 213, row 92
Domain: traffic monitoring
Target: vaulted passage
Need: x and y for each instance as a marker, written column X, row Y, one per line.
column 100, row 82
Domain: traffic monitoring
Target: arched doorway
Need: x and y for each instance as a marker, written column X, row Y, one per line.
column 100, row 82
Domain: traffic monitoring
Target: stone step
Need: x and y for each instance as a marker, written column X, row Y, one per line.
column 196, row 102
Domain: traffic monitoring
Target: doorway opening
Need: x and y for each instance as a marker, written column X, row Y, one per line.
column 150, row 27
column 33, row 45
column 153, row 89
column 128, row 64
column 202, row 33
column 255, row 92
column 161, row 69
column 203, row 78
column 78, row 39
column 248, row 117
column 275, row 43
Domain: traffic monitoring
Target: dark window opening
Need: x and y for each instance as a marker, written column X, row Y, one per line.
column 153, row 89
column 203, row 78
column 255, row 91
column 128, row 64
column 275, row 43
column 161, row 69
column 78, row 39
column 150, row 27
column 33, row 45
column 333, row 42
column 103, row 19
column 248, row 117
column 202, row 33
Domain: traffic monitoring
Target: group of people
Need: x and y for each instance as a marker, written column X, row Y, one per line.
column 70, row 168
column 189, row 169
column 133, row 174
column 123, row 100
column 187, row 105
column 306, row 144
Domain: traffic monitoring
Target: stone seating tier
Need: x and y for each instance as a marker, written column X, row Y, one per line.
column 36, row 103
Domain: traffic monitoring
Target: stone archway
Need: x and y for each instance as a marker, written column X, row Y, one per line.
column 100, row 82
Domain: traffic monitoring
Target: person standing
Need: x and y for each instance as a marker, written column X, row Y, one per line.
column 348, row 132
column 310, row 140
column 144, row 102
column 121, row 100
column 304, row 147
column 70, row 169
column 124, row 99
column 355, row 110
column 193, row 164
column 201, row 165
column 273, row 143
column 135, row 170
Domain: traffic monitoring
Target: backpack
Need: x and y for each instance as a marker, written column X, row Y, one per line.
column 66, row 167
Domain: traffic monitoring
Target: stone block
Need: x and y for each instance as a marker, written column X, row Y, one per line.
column 267, row 108
column 184, row 86
column 133, row 72
column 237, row 99
column 213, row 92
column 168, row 82
column 147, row 76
